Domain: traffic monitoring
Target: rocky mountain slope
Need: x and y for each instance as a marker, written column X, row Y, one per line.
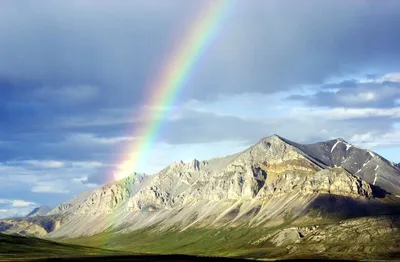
column 40, row 211
column 365, row 164
column 273, row 183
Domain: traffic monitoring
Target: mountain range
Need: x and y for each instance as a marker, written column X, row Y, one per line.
column 284, row 195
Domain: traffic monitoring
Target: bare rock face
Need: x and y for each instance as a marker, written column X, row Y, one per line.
column 103, row 200
column 328, row 181
column 268, row 183
column 286, row 237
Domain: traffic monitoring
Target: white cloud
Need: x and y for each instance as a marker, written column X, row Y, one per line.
column 79, row 179
column 15, row 212
column 43, row 163
column 20, row 176
column 56, row 186
column 358, row 98
column 372, row 140
column 16, row 202
column 345, row 113
column 91, row 138
column 86, row 164
column 84, row 181
column 15, row 207
column 22, row 203
column 394, row 77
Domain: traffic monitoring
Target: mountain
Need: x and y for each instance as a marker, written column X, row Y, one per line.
column 40, row 211
column 365, row 164
column 275, row 184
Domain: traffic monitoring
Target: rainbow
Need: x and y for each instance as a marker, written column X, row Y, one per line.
column 164, row 91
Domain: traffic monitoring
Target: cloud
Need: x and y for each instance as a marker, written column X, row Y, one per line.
column 275, row 45
column 92, row 139
column 16, row 202
column 343, row 113
column 88, row 164
column 14, row 212
column 390, row 77
column 262, row 47
column 85, row 180
column 22, row 203
column 38, row 184
column 355, row 94
column 43, row 163
column 54, row 186
column 373, row 140
column 15, row 207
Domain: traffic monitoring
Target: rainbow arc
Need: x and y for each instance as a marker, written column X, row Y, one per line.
column 169, row 83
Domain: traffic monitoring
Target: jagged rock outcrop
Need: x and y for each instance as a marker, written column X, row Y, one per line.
column 267, row 184
column 335, row 181
column 104, row 199
column 38, row 226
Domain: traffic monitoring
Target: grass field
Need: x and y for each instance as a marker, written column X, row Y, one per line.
column 206, row 242
column 240, row 243
column 228, row 242
column 16, row 247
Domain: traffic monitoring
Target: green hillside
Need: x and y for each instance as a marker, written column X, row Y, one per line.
column 341, row 242
column 26, row 247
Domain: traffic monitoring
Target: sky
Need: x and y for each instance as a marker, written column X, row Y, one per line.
column 74, row 77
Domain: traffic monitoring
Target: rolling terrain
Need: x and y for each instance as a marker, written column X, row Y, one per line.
column 277, row 199
column 17, row 247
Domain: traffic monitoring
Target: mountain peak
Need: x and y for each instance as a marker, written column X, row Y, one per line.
column 193, row 164
column 39, row 211
column 341, row 140
column 272, row 138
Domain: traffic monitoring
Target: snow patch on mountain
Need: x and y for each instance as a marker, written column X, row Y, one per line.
column 334, row 146
column 376, row 176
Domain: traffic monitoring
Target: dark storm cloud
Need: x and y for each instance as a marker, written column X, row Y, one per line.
column 271, row 45
column 263, row 46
